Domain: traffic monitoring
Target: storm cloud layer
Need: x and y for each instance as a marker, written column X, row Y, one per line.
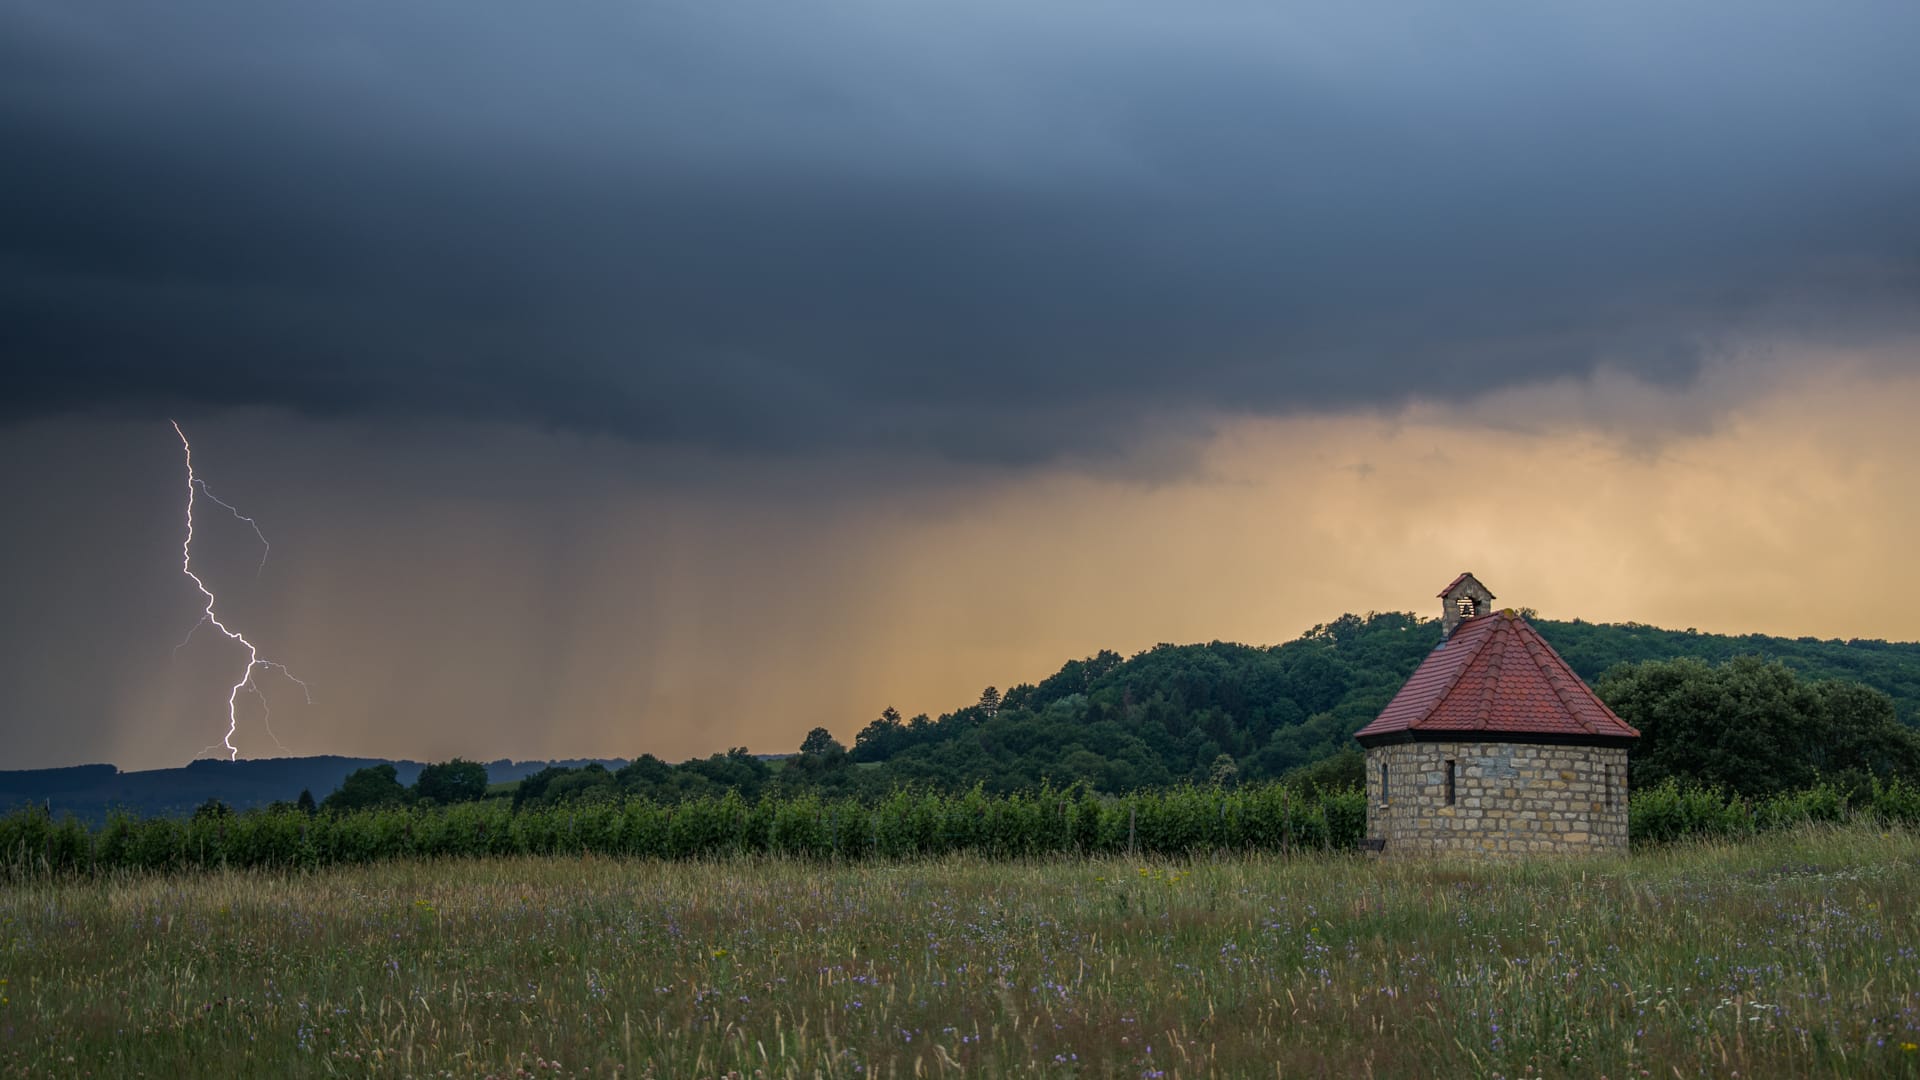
column 987, row 232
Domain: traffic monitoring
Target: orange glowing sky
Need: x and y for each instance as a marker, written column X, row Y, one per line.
column 599, row 602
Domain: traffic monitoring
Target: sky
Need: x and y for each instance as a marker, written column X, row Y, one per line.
column 654, row 377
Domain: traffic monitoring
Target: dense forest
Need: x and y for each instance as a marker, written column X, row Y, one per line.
column 1227, row 713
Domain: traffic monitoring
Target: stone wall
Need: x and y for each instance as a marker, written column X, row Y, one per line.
column 1508, row 798
column 1469, row 588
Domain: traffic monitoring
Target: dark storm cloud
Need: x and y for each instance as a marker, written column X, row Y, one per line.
column 999, row 231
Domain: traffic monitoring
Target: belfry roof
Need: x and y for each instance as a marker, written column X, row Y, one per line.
column 1451, row 585
column 1496, row 676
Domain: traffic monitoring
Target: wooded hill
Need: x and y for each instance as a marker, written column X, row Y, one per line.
column 1199, row 713
column 1238, row 713
column 1169, row 713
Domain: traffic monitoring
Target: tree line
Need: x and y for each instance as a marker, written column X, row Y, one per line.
column 439, row 784
column 1753, row 715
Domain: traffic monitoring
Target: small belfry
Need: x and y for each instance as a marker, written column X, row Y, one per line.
column 1494, row 745
column 1462, row 599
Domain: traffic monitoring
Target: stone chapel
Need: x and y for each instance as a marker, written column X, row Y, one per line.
column 1494, row 746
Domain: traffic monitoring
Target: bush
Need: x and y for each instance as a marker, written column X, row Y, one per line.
column 906, row 823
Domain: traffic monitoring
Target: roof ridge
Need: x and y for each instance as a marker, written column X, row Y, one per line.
column 1453, row 680
column 1490, row 691
column 1542, row 656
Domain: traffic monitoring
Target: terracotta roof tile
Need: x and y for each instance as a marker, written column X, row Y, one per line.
column 1497, row 674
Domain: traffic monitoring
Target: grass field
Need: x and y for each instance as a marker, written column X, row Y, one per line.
column 1787, row 955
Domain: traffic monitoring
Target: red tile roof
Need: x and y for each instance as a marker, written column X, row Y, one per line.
column 1496, row 675
column 1455, row 582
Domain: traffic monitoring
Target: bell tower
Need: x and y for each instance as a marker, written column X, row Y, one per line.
column 1464, row 599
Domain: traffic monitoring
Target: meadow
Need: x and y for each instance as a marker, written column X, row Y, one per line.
column 1787, row 954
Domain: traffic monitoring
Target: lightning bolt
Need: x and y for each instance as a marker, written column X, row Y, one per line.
column 265, row 549
column 208, row 618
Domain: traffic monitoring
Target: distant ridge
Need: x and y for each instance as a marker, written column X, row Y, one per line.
column 1166, row 715
column 90, row 792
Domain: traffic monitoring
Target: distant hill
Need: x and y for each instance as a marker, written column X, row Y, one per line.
column 1169, row 713
column 91, row 791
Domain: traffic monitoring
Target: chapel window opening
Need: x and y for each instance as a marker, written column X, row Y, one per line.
column 1453, row 767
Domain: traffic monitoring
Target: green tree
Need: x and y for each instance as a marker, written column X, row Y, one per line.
column 1344, row 771
column 1754, row 727
column 306, row 804
column 532, row 790
column 375, row 785
column 1861, row 737
column 455, row 781
column 877, row 740
column 591, row 783
column 821, row 743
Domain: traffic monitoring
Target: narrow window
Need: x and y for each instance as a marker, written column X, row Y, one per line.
column 1452, row 766
column 1467, row 606
column 1383, row 783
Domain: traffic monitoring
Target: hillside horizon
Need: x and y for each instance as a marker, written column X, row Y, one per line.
column 1165, row 714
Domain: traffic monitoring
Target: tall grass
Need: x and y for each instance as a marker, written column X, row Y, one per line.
column 1791, row 954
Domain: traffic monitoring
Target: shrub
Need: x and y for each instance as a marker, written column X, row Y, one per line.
column 906, row 823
